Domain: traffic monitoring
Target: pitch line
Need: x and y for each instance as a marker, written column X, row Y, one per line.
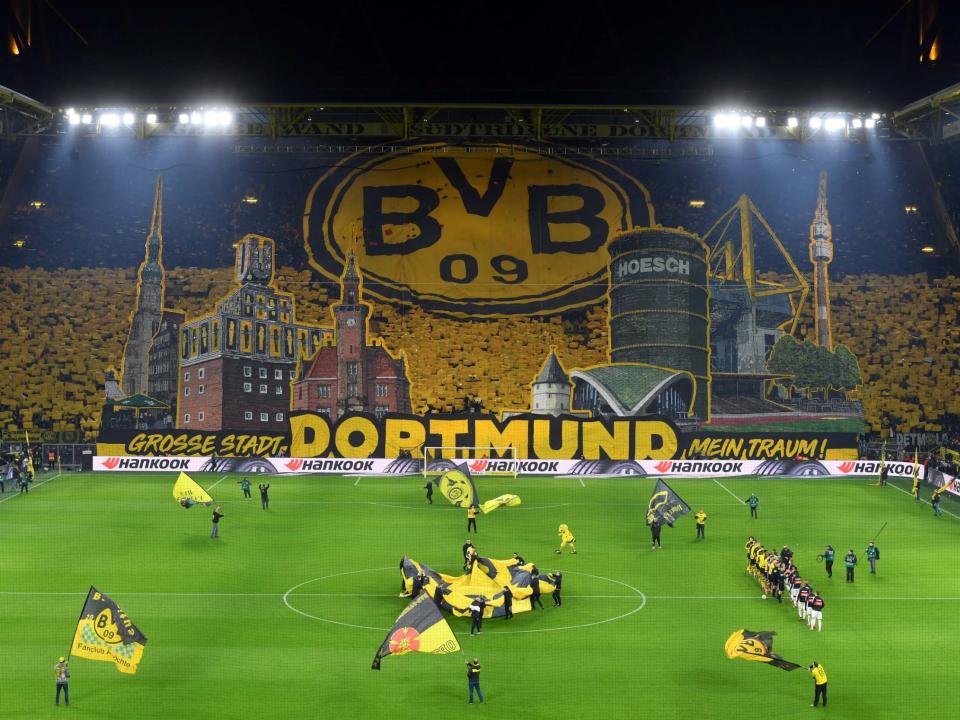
column 907, row 492
column 42, row 482
column 289, row 593
column 728, row 490
column 216, row 483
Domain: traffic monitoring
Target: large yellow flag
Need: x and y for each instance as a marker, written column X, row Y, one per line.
column 188, row 493
column 106, row 633
column 456, row 485
column 499, row 502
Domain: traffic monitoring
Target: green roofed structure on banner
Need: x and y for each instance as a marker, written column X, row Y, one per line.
column 628, row 389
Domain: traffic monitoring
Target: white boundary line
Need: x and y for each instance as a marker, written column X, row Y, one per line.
column 925, row 502
column 727, row 489
column 357, row 481
column 42, row 482
column 208, row 489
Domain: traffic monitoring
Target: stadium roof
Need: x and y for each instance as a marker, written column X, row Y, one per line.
column 632, row 389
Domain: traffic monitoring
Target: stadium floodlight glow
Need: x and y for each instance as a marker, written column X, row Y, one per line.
column 792, row 122
column 870, row 123
column 87, row 119
column 110, row 120
column 226, row 117
column 835, row 124
column 183, row 118
column 874, row 116
column 815, row 123
column 761, row 122
column 211, row 118
column 151, row 118
column 928, row 249
column 746, row 121
column 857, row 123
column 73, row 118
column 720, row 120
column 196, row 118
column 128, row 118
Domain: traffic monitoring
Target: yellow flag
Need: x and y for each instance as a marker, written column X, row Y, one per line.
column 29, row 456
column 456, row 485
column 188, row 493
column 105, row 633
column 499, row 502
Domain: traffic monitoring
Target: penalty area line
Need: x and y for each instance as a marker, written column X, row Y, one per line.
column 208, row 489
column 727, row 489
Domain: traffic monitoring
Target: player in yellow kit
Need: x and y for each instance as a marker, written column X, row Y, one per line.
column 566, row 538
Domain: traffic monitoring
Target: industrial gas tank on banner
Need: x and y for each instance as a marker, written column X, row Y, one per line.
column 660, row 303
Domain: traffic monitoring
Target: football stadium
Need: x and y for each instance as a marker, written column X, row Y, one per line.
column 597, row 407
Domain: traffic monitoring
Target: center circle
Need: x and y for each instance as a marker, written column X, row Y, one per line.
column 293, row 591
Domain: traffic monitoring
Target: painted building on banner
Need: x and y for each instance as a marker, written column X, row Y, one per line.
column 237, row 362
column 146, row 318
column 349, row 373
column 164, row 360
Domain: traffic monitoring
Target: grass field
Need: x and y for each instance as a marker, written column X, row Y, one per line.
column 640, row 633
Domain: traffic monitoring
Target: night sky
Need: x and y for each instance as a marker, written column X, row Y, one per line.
column 847, row 55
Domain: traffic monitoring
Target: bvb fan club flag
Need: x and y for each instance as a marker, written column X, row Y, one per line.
column 106, row 633
column 457, row 486
column 420, row 628
column 499, row 502
column 756, row 646
column 665, row 504
column 188, row 493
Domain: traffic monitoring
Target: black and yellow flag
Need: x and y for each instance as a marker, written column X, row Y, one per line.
column 665, row 505
column 106, row 633
column 420, row 628
column 457, row 486
column 756, row 646
column 499, row 502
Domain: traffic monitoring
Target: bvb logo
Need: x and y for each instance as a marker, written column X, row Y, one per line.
column 479, row 230
column 105, row 627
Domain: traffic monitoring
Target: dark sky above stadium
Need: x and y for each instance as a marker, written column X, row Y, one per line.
column 857, row 54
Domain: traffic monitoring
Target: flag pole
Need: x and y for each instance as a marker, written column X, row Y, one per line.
column 878, row 533
column 70, row 649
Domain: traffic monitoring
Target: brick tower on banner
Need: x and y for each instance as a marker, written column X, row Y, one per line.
column 352, row 375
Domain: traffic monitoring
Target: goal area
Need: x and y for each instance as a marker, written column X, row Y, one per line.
column 486, row 460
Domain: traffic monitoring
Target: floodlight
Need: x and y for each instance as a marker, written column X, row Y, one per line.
column 857, row 123
column 183, row 118
column 211, row 118
column 151, row 118
column 720, row 120
column 128, row 118
column 746, row 121
column 73, row 119
column 110, row 120
column 196, row 118
column 226, row 117
column 761, row 122
column 792, row 122
column 815, row 123
column 874, row 116
column 86, row 119
column 870, row 123
column 833, row 124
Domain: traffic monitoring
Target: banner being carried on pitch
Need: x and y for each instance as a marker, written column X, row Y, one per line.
column 756, row 646
column 665, row 505
column 188, row 493
column 106, row 633
column 420, row 628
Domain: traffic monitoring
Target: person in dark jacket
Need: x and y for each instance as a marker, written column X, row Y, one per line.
column 473, row 678
column 655, row 525
column 429, row 488
column 507, row 603
column 535, row 589
column 264, row 497
column 557, row 580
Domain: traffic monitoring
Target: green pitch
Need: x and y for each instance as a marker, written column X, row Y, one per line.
column 640, row 633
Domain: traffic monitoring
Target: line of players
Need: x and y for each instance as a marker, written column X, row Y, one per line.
column 775, row 572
